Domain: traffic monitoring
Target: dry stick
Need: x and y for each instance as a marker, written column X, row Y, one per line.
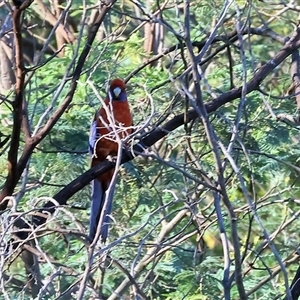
column 275, row 272
column 38, row 63
column 227, row 154
column 212, row 140
column 295, row 74
column 225, row 243
column 138, row 290
column 294, row 89
column 150, row 255
column 258, row 220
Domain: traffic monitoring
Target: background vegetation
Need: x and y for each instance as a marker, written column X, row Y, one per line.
column 207, row 203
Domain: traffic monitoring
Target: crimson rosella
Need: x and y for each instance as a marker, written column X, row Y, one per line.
column 113, row 121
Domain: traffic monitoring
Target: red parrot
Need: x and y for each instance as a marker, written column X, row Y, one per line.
column 102, row 143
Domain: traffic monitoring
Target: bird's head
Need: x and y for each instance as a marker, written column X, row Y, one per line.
column 117, row 91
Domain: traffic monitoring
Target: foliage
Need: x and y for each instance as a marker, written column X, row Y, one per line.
column 166, row 232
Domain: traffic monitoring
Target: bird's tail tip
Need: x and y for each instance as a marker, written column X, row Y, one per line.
column 100, row 201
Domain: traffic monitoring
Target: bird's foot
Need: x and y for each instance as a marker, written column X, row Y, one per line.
column 111, row 158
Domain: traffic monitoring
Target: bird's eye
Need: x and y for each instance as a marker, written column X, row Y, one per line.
column 117, row 91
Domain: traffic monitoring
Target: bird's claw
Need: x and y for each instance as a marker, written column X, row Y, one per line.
column 111, row 158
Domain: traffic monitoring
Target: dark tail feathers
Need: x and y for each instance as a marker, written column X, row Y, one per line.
column 98, row 202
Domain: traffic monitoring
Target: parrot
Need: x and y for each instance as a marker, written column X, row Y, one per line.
column 113, row 118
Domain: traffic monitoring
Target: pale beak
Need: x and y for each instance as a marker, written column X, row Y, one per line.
column 117, row 91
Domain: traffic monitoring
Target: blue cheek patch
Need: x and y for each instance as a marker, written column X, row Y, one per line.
column 123, row 97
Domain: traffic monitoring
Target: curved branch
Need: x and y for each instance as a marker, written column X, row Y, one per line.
column 230, row 37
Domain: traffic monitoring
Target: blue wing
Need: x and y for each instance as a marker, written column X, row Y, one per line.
column 100, row 201
column 92, row 137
